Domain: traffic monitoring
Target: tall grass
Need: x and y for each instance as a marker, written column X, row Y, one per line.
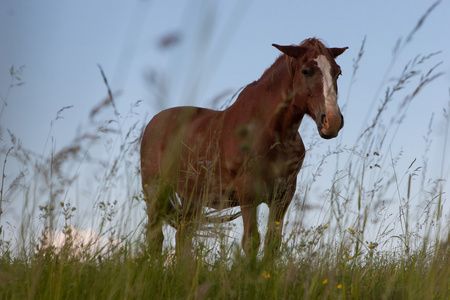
column 369, row 241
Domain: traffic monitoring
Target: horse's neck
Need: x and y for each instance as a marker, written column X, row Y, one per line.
column 269, row 99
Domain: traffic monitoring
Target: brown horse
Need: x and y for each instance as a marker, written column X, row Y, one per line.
column 250, row 153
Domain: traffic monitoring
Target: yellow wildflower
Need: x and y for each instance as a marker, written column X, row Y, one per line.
column 325, row 281
column 339, row 286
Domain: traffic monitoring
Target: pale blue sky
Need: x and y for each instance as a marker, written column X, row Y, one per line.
column 223, row 46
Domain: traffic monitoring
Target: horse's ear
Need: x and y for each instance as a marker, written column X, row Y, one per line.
column 335, row 52
column 292, row 51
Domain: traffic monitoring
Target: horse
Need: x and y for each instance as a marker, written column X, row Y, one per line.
column 194, row 158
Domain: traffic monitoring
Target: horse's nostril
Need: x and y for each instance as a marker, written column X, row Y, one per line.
column 324, row 119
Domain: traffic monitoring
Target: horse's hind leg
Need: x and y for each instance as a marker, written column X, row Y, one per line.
column 157, row 206
column 185, row 231
column 184, row 239
column 155, row 237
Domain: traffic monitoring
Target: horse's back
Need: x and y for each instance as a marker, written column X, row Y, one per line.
column 172, row 121
column 165, row 133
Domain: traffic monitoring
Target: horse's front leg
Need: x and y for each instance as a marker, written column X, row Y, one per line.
column 277, row 210
column 251, row 238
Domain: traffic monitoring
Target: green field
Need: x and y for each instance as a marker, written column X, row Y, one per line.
column 329, row 273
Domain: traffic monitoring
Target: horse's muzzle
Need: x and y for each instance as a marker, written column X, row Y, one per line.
column 330, row 125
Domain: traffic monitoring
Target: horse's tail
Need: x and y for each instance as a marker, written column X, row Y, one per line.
column 221, row 218
column 175, row 210
column 212, row 217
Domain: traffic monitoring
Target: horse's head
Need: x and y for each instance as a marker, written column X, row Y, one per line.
column 315, row 73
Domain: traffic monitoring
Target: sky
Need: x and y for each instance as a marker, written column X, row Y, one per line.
column 199, row 50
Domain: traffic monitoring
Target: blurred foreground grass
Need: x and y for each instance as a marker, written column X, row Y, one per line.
column 330, row 273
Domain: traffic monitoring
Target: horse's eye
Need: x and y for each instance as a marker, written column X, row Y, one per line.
column 307, row 73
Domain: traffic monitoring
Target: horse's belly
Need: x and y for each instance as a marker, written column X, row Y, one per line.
column 202, row 182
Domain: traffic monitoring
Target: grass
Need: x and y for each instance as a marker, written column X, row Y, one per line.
column 423, row 274
column 370, row 242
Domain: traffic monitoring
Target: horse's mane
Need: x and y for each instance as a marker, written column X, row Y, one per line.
column 317, row 45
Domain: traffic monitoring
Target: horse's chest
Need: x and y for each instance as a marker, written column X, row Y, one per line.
column 264, row 160
column 281, row 161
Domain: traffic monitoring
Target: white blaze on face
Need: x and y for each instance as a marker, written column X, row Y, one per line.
column 328, row 88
